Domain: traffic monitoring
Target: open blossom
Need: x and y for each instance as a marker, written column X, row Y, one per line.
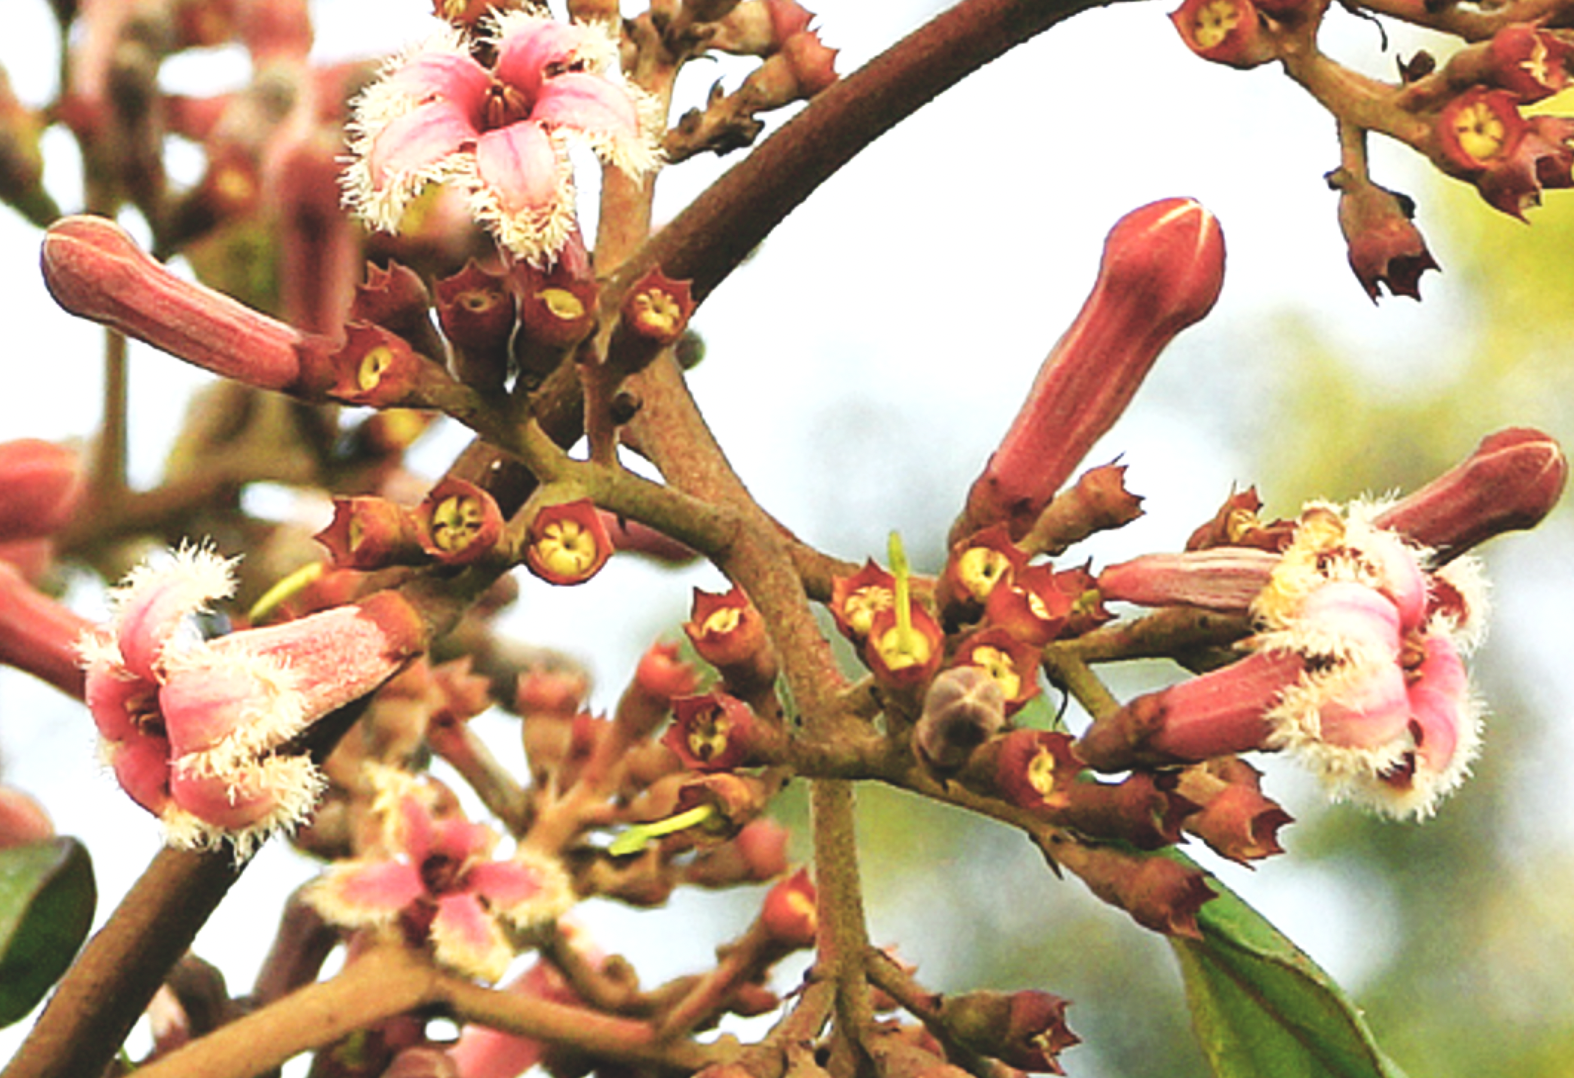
column 431, row 874
column 1357, row 669
column 192, row 727
column 500, row 133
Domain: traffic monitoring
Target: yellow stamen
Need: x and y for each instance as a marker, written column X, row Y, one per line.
column 456, row 521
column 639, row 835
column 980, row 569
column 1480, row 131
column 566, row 548
column 562, row 303
column 1001, row 670
column 1215, row 22
column 373, row 365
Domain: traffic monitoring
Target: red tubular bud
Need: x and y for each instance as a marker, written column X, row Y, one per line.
column 1021, row 1029
column 477, row 311
column 379, row 369
column 396, row 299
column 1162, row 270
column 1510, row 482
column 1385, row 247
column 658, row 308
column 1236, row 820
column 40, row 488
column 1529, row 61
column 95, row 270
column 38, row 634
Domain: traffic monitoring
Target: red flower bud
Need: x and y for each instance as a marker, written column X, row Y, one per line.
column 1236, row 820
column 477, row 312
column 95, row 270
column 789, row 912
column 567, row 543
column 963, row 708
column 1024, row 1029
column 379, row 369
column 1224, row 31
column 459, row 522
column 1511, row 481
column 39, row 635
column 662, row 675
column 40, row 488
column 1162, row 270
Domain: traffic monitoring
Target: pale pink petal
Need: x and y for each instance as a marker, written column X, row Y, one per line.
column 504, row 883
column 212, row 697
column 460, row 840
column 529, row 48
column 465, row 938
column 587, row 103
column 1440, row 703
column 1369, row 711
column 417, row 142
column 520, row 165
column 358, row 893
column 116, row 701
column 141, row 764
column 437, row 74
column 1402, row 578
column 153, row 602
column 1348, row 619
column 417, row 828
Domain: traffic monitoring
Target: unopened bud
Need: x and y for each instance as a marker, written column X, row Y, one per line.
column 1162, row 270
column 963, row 708
column 1510, row 482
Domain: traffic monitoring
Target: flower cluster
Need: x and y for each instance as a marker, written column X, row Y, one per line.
column 1356, row 666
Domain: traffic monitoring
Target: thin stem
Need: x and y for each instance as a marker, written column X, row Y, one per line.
column 843, row 938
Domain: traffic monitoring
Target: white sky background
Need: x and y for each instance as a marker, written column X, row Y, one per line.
column 862, row 366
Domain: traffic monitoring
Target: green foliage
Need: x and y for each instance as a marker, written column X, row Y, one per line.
column 1260, row 1006
column 47, row 897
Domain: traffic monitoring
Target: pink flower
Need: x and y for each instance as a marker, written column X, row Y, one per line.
column 1356, row 669
column 502, row 133
column 192, row 727
column 432, row 877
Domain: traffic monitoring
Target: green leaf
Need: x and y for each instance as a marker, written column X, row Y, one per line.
column 1260, row 1006
column 46, row 907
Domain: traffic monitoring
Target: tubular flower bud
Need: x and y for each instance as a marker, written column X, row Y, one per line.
column 95, row 270
column 501, row 134
column 1140, row 810
column 39, row 635
column 458, row 522
column 856, row 599
column 728, row 633
column 963, row 708
column 1224, row 31
column 1385, row 247
column 371, row 533
column 434, row 881
column 1159, row 894
column 1511, row 481
column 1223, row 578
column 1528, row 61
column 40, row 488
column 1011, row 663
column 193, row 728
column 557, row 309
column 711, row 732
column 567, row 543
column 1097, row 501
column 1162, row 270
